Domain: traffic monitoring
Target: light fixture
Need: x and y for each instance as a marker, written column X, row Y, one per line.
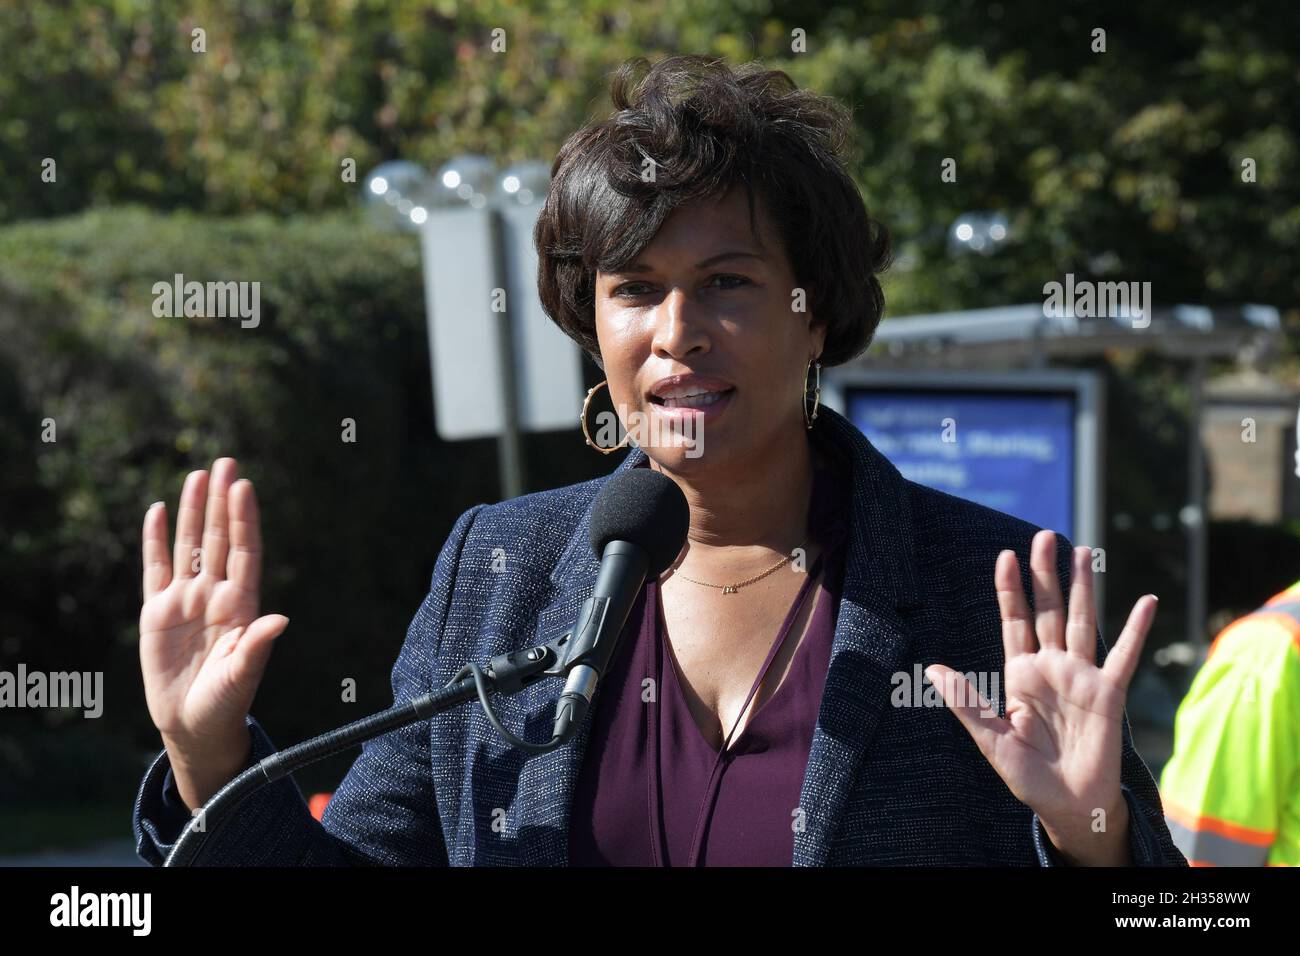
column 522, row 183
column 982, row 232
column 464, row 181
column 397, row 194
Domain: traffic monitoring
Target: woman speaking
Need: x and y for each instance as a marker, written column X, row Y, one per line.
column 705, row 246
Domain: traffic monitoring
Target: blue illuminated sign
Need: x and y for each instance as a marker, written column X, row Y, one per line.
column 1010, row 450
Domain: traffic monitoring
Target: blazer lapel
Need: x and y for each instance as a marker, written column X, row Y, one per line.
column 548, row 782
column 871, row 638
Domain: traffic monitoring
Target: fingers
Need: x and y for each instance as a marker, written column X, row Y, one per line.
column 1049, row 611
column 216, row 525
column 189, row 524
column 977, row 715
column 1081, row 626
column 250, row 650
column 244, row 566
column 1017, row 632
column 157, row 564
column 1123, row 658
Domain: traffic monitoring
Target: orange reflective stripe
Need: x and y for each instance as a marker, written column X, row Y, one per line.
column 1239, row 622
column 1232, row 831
column 1280, row 595
column 1292, row 592
column 1206, row 863
column 1282, row 608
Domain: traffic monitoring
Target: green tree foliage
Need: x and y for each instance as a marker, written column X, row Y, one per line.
column 135, row 401
column 1126, row 163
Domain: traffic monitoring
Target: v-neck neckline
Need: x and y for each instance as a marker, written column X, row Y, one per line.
column 666, row 653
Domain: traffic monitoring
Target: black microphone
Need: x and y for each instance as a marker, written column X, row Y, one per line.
column 638, row 527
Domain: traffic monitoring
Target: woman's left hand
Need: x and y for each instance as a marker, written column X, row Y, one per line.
column 1058, row 748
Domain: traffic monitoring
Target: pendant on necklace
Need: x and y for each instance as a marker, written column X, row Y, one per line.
column 729, row 589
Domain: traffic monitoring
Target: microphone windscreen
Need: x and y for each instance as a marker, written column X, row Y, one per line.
column 645, row 508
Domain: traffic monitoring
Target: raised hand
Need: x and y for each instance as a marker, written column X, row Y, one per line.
column 1058, row 749
column 203, row 647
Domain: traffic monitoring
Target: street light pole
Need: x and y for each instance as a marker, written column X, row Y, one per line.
column 1195, row 523
column 475, row 225
column 510, row 457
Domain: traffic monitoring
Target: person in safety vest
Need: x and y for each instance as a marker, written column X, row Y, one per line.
column 1231, row 790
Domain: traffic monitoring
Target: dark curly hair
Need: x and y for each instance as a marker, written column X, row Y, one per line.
column 706, row 128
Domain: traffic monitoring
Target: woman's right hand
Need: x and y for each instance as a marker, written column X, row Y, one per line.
column 203, row 648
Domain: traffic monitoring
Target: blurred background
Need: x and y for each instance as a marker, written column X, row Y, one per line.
column 333, row 150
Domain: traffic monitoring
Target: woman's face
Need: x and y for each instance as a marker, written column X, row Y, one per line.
column 704, row 299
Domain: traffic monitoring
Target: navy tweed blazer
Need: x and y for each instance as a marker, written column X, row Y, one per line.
column 884, row 785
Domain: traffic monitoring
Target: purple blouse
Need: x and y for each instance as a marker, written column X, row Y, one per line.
column 653, row 792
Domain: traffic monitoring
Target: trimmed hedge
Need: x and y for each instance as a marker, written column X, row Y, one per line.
column 352, row 530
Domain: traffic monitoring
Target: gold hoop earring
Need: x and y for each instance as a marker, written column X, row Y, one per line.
column 817, row 394
column 583, row 419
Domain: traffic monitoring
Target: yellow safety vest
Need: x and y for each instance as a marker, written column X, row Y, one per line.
column 1231, row 790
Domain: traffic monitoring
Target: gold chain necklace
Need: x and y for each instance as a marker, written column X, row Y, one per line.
column 732, row 588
